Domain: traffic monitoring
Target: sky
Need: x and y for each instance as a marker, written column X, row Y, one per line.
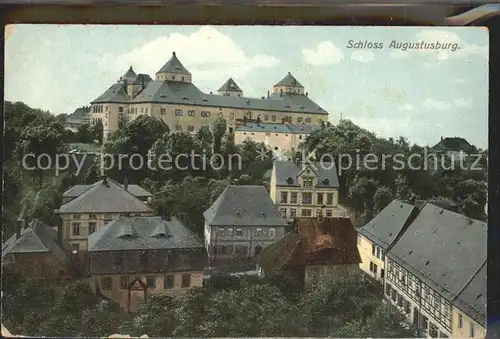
column 419, row 94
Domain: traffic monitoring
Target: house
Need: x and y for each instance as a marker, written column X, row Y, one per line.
column 240, row 223
column 380, row 234
column 174, row 98
column 318, row 247
column 77, row 119
column 133, row 257
column 37, row 252
column 434, row 273
column 282, row 138
column 455, row 147
column 305, row 189
column 90, row 208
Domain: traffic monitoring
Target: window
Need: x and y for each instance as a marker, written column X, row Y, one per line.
column 163, row 111
column 258, row 232
column 146, row 110
column 168, row 282
column 239, row 232
column 272, row 233
column 383, row 255
column 299, row 119
column 293, row 212
column 178, row 112
column 190, row 128
column 283, row 212
column 319, row 212
column 118, row 259
column 407, row 307
column 319, row 198
column 308, row 120
column 471, row 330
column 433, row 330
column 378, row 252
column 120, row 109
column 382, row 273
column 394, row 295
column 329, row 198
column 221, row 232
column 437, row 301
column 425, row 323
column 230, row 232
column 186, row 280
column 91, row 227
column 284, row 197
column 92, row 216
column 143, row 258
column 328, row 213
column 151, row 281
column 273, row 118
column 266, row 117
column 306, row 213
column 124, row 282
column 306, row 198
column 400, row 300
column 191, row 113
column 76, row 228
column 293, row 198
column 77, row 216
column 460, row 321
column 373, row 249
column 375, row 269
column 307, row 182
column 205, row 114
column 107, row 283
column 371, row 266
column 142, row 109
column 227, row 250
column 76, row 247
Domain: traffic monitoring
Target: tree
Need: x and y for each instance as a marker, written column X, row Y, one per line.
column 205, row 135
column 471, row 196
column 97, row 131
column 383, row 197
column 84, row 134
column 156, row 317
column 219, row 128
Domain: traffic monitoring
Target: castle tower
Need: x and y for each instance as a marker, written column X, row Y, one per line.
column 128, row 79
column 288, row 85
column 173, row 70
column 230, row 88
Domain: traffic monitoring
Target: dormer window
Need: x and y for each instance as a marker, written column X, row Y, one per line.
column 289, row 181
column 326, row 182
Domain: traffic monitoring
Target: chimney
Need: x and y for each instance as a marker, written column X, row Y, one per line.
column 268, row 94
column 19, row 227
column 105, row 180
column 125, row 184
column 307, row 94
column 441, row 138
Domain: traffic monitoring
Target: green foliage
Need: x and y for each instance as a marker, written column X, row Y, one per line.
column 219, row 128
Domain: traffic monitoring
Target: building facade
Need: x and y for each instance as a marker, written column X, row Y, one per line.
column 281, row 138
column 134, row 257
column 305, row 189
column 172, row 97
column 88, row 208
column 241, row 223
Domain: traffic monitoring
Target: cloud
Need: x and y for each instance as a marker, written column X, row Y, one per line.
column 226, row 59
column 393, row 94
column 399, row 54
column 326, row 53
column 363, row 56
column 433, row 104
column 406, row 107
column 465, row 49
column 463, row 102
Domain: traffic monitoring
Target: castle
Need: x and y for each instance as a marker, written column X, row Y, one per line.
column 173, row 98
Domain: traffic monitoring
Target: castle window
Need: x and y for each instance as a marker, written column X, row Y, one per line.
column 190, row 128
column 308, row 120
column 182, row 78
column 173, row 77
column 120, row 109
column 273, row 118
column 299, row 119
column 106, row 108
column 178, row 112
column 163, row 111
column 191, row 113
column 142, row 109
column 266, row 117
column 239, row 95
column 205, row 114
column 146, row 110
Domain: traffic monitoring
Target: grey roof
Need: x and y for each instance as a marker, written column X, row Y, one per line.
column 453, row 144
column 443, row 248
column 78, row 190
column 116, row 93
column 385, row 227
column 277, row 128
column 142, row 79
column 472, row 299
column 130, row 75
column 244, row 206
column 289, row 80
column 37, row 238
column 230, row 86
column 174, row 66
column 102, row 198
column 286, row 171
column 142, row 233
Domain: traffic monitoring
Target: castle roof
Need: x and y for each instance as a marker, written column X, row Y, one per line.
column 130, row 75
column 289, row 80
column 174, row 66
column 230, row 86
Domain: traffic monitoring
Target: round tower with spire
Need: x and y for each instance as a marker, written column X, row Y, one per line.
column 230, row 89
column 173, row 70
column 288, row 85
